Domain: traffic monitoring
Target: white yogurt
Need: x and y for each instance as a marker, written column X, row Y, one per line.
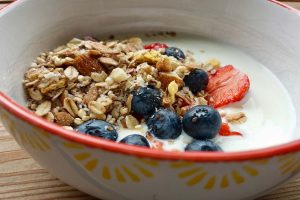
column 268, row 107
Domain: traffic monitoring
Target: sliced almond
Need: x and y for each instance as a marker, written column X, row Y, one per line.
column 86, row 64
column 167, row 78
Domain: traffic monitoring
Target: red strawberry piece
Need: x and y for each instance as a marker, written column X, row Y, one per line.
column 227, row 85
column 225, row 131
column 156, row 46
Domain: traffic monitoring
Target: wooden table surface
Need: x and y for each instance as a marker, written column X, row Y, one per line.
column 22, row 178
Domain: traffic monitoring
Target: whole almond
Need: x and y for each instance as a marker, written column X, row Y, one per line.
column 86, row 64
column 64, row 118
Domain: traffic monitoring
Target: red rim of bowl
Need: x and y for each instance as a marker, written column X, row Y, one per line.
column 24, row 114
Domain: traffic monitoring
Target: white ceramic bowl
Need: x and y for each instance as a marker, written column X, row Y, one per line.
column 267, row 30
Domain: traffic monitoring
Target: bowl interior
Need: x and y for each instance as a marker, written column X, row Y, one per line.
column 270, row 36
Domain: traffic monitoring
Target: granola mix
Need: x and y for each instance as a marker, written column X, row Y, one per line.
column 85, row 80
column 89, row 79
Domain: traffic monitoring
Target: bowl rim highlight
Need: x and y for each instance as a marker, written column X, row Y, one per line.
column 27, row 116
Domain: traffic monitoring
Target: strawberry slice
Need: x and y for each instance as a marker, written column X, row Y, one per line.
column 225, row 131
column 156, row 46
column 227, row 85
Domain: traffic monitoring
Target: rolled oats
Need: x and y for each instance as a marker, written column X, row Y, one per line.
column 43, row 108
column 35, row 94
column 108, row 61
column 236, row 118
column 71, row 73
column 70, row 106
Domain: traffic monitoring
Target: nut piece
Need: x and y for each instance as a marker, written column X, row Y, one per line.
column 64, row 118
column 91, row 95
column 85, row 64
column 98, row 77
column 118, row 75
column 97, row 108
column 131, row 122
column 43, row 108
column 70, row 106
column 71, row 73
column 35, row 94
column 236, row 118
column 167, row 78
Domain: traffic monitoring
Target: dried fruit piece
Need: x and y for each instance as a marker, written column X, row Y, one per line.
column 164, row 65
column 86, row 64
column 172, row 89
column 167, row 78
column 156, row 46
column 227, row 85
column 225, row 131
column 151, row 57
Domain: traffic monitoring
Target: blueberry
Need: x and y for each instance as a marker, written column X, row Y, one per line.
column 196, row 80
column 165, row 124
column 98, row 128
column 202, row 145
column 145, row 101
column 135, row 139
column 202, row 122
column 175, row 52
